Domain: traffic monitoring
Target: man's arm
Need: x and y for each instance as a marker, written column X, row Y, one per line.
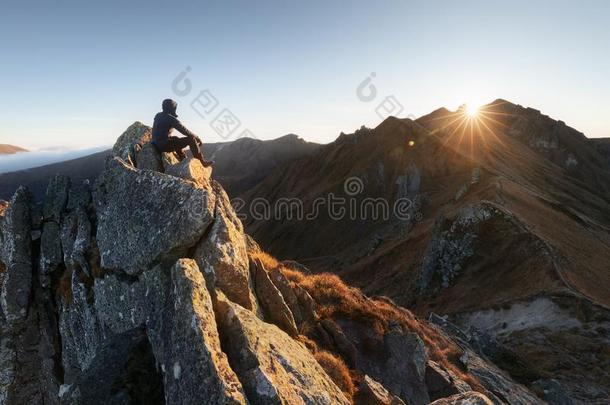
column 181, row 128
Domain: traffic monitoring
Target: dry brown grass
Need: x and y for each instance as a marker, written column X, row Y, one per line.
column 337, row 371
column 334, row 366
column 334, row 298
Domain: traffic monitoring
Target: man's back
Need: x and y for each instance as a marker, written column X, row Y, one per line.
column 162, row 128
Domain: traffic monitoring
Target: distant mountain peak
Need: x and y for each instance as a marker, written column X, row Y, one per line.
column 6, row 149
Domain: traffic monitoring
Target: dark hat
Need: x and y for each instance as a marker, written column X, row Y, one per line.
column 169, row 106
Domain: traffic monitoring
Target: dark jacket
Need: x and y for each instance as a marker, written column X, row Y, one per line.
column 163, row 125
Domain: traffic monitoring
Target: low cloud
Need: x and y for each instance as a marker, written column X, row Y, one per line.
column 36, row 158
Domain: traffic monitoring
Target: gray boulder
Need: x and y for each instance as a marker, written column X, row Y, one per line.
column 443, row 383
column 125, row 146
column 149, row 158
column 144, row 216
column 16, row 256
column 370, row 392
column 191, row 169
column 55, row 202
column 222, row 255
column 397, row 359
column 271, row 299
column 168, row 309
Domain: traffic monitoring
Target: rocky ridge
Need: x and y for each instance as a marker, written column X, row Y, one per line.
column 144, row 288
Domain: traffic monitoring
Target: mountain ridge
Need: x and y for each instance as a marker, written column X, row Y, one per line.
column 116, row 299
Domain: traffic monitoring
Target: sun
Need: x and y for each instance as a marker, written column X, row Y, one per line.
column 471, row 110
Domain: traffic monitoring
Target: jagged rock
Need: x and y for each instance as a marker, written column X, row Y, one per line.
column 76, row 240
column 149, row 158
column 466, row 398
column 137, row 134
column 452, row 242
column 290, row 298
column 371, row 392
column 144, row 216
column 191, row 169
column 16, row 255
column 191, row 352
column 222, row 255
column 169, row 308
column 50, row 247
column 56, row 198
column 307, row 305
column 271, row 299
column 273, row 367
column 495, row 381
column 397, row 359
column 443, row 383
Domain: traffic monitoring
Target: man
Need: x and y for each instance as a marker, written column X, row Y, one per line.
column 163, row 125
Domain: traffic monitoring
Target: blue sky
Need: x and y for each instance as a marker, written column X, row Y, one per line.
column 76, row 74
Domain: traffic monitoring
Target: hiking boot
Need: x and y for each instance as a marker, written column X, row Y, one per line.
column 207, row 163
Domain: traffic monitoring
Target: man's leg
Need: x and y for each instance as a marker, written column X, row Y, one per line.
column 196, row 151
column 175, row 144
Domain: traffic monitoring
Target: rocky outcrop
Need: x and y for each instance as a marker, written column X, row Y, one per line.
column 145, row 289
column 50, row 244
column 16, row 257
column 272, row 300
column 273, row 367
column 143, row 216
column 222, row 255
column 171, row 309
column 501, row 388
column 134, row 138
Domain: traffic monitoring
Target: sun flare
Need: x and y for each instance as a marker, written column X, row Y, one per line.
column 471, row 110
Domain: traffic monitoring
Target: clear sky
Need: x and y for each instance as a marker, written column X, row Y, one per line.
column 77, row 73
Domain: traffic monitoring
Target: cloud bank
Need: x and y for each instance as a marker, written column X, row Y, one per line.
column 28, row 160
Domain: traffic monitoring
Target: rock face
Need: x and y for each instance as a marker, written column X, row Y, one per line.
column 145, row 289
column 467, row 398
column 373, row 393
column 163, row 216
column 191, row 169
column 132, row 139
column 16, row 256
column 274, row 367
column 222, row 255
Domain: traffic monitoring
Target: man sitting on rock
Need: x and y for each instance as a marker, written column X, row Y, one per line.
column 163, row 125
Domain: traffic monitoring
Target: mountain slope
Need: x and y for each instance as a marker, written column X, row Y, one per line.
column 37, row 179
column 505, row 209
column 241, row 164
column 116, row 299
